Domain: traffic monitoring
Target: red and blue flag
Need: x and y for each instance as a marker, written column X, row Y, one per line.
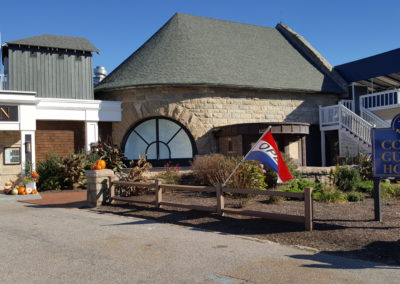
column 266, row 151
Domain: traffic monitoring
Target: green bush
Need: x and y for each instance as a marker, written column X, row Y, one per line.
column 330, row 195
column 58, row 173
column 214, row 169
column 50, row 173
column 390, row 190
column 354, row 196
column 320, row 192
column 298, row 185
column 347, row 178
column 366, row 187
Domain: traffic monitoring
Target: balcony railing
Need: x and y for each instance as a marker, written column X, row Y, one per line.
column 347, row 103
column 381, row 100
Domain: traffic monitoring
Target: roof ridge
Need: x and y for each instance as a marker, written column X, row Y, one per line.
column 220, row 20
column 315, row 58
column 56, row 41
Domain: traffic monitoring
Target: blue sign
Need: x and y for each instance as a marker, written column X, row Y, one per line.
column 386, row 150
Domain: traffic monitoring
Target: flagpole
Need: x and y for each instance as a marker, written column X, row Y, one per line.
column 237, row 166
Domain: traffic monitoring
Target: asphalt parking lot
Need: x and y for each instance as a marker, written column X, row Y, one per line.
column 50, row 244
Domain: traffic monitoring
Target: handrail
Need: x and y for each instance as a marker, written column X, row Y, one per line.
column 343, row 117
column 372, row 118
column 355, row 124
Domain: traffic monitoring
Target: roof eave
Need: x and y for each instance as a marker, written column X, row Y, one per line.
column 125, row 87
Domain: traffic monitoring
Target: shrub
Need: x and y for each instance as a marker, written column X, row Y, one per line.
column 354, row 196
column 390, row 190
column 73, row 169
column 347, row 178
column 366, row 187
column 170, row 174
column 214, row 169
column 249, row 175
column 50, row 173
column 136, row 174
column 298, row 185
column 111, row 154
column 139, row 170
column 365, row 163
column 330, row 195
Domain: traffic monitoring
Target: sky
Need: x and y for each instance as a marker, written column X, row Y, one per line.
column 341, row 31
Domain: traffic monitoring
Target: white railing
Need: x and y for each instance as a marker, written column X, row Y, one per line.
column 373, row 119
column 381, row 99
column 355, row 124
column 342, row 117
column 347, row 103
column 329, row 115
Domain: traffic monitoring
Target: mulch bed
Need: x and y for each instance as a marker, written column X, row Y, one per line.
column 346, row 229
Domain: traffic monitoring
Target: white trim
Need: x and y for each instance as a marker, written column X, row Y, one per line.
column 91, row 133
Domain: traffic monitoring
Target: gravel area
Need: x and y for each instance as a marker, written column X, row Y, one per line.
column 346, row 229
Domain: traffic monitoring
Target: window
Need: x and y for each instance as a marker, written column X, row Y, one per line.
column 162, row 140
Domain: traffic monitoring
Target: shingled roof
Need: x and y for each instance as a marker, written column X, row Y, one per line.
column 56, row 41
column 192, row 50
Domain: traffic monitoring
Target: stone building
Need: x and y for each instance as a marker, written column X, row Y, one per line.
column 197, row 77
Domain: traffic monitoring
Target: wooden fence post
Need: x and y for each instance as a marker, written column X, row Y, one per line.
column 112, row 189
column 308, row 207
column 220, row 199
column 158, row 194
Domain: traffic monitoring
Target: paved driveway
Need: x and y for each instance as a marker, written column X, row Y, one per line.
column 43, row 244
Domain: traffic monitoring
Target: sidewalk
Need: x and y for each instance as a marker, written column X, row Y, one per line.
column 62, row 199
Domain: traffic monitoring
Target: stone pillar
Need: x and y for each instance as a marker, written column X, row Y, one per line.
column 98, row 184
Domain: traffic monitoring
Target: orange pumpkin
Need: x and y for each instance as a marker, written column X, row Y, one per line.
column 34, row 191
column 93, row 167
column 97, row 166
column 102, row 163
column 21, row 189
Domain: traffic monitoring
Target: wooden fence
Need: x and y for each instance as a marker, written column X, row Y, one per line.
column 219, row 208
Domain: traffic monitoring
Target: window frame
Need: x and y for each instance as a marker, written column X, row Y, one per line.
column 158, row 161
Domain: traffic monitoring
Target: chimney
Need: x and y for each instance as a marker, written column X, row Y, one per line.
column 99, row 74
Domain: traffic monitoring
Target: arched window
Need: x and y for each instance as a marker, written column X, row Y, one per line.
column 162, row 140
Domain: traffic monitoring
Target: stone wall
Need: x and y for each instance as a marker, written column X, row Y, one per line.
column 200, row 109
column 317, row 174
column 9, row 173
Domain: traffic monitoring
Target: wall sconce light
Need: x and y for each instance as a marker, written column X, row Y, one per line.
column 28, row 147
